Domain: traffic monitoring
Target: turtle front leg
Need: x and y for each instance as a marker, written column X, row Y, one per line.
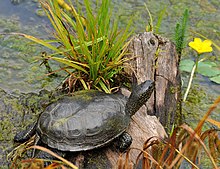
column 26, row 134
column 124, row 141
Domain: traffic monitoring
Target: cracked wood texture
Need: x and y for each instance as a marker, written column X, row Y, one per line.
column 155, row 58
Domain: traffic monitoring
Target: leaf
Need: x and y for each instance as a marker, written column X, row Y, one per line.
column 186, row 65
column 84, row 84
column 208, row 69
column 216, row 123
column 208, row 64
column 39, row 41
column 104, row 87
column 216, row 79
column 55, row 155
column 53, row 166
column 73, row 64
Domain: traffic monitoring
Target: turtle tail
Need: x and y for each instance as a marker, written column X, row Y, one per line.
column 26, row 134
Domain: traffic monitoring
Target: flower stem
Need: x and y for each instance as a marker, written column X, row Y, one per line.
column 191, row 77
column 189, row 83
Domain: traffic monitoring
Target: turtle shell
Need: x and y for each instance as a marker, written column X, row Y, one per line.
column 85, row 121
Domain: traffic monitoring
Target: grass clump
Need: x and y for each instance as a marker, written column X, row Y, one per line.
column 86, row 42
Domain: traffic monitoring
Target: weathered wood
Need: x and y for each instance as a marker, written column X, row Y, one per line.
column 156, row 59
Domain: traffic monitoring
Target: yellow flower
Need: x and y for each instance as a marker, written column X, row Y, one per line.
column 201, row 46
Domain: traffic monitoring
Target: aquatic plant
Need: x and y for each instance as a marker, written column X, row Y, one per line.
column 200, row 47
column 180, row 32
column 150, row 26
column 205, row 66
column 87, row 43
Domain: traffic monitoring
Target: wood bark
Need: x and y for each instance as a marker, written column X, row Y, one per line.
column 156, row 58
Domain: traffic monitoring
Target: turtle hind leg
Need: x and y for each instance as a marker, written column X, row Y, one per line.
column 123, row 142
column 26, row 134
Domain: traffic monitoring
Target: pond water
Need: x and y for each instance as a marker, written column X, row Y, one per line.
column 19, row 71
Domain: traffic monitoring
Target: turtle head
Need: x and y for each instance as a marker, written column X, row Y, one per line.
column 140, row 94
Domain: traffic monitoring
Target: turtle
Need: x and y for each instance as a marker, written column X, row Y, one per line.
column 88, row 119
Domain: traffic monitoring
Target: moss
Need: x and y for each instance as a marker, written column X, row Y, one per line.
column 96, row 159
column 9, row 25
column 17, row 111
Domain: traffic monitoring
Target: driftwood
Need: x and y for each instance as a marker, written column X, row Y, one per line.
column 155, row 59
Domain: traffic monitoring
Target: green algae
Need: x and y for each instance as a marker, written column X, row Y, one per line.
column 9, row 25
column 18, row 54
column 18, row 110
column 197, row 104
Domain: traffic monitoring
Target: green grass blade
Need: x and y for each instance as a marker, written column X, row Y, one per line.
column 104, row 87
column 160, row 18
column 84, row 84
column 39, row 41
column 73, row 64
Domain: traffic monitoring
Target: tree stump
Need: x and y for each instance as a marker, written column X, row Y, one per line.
column 155, row 58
